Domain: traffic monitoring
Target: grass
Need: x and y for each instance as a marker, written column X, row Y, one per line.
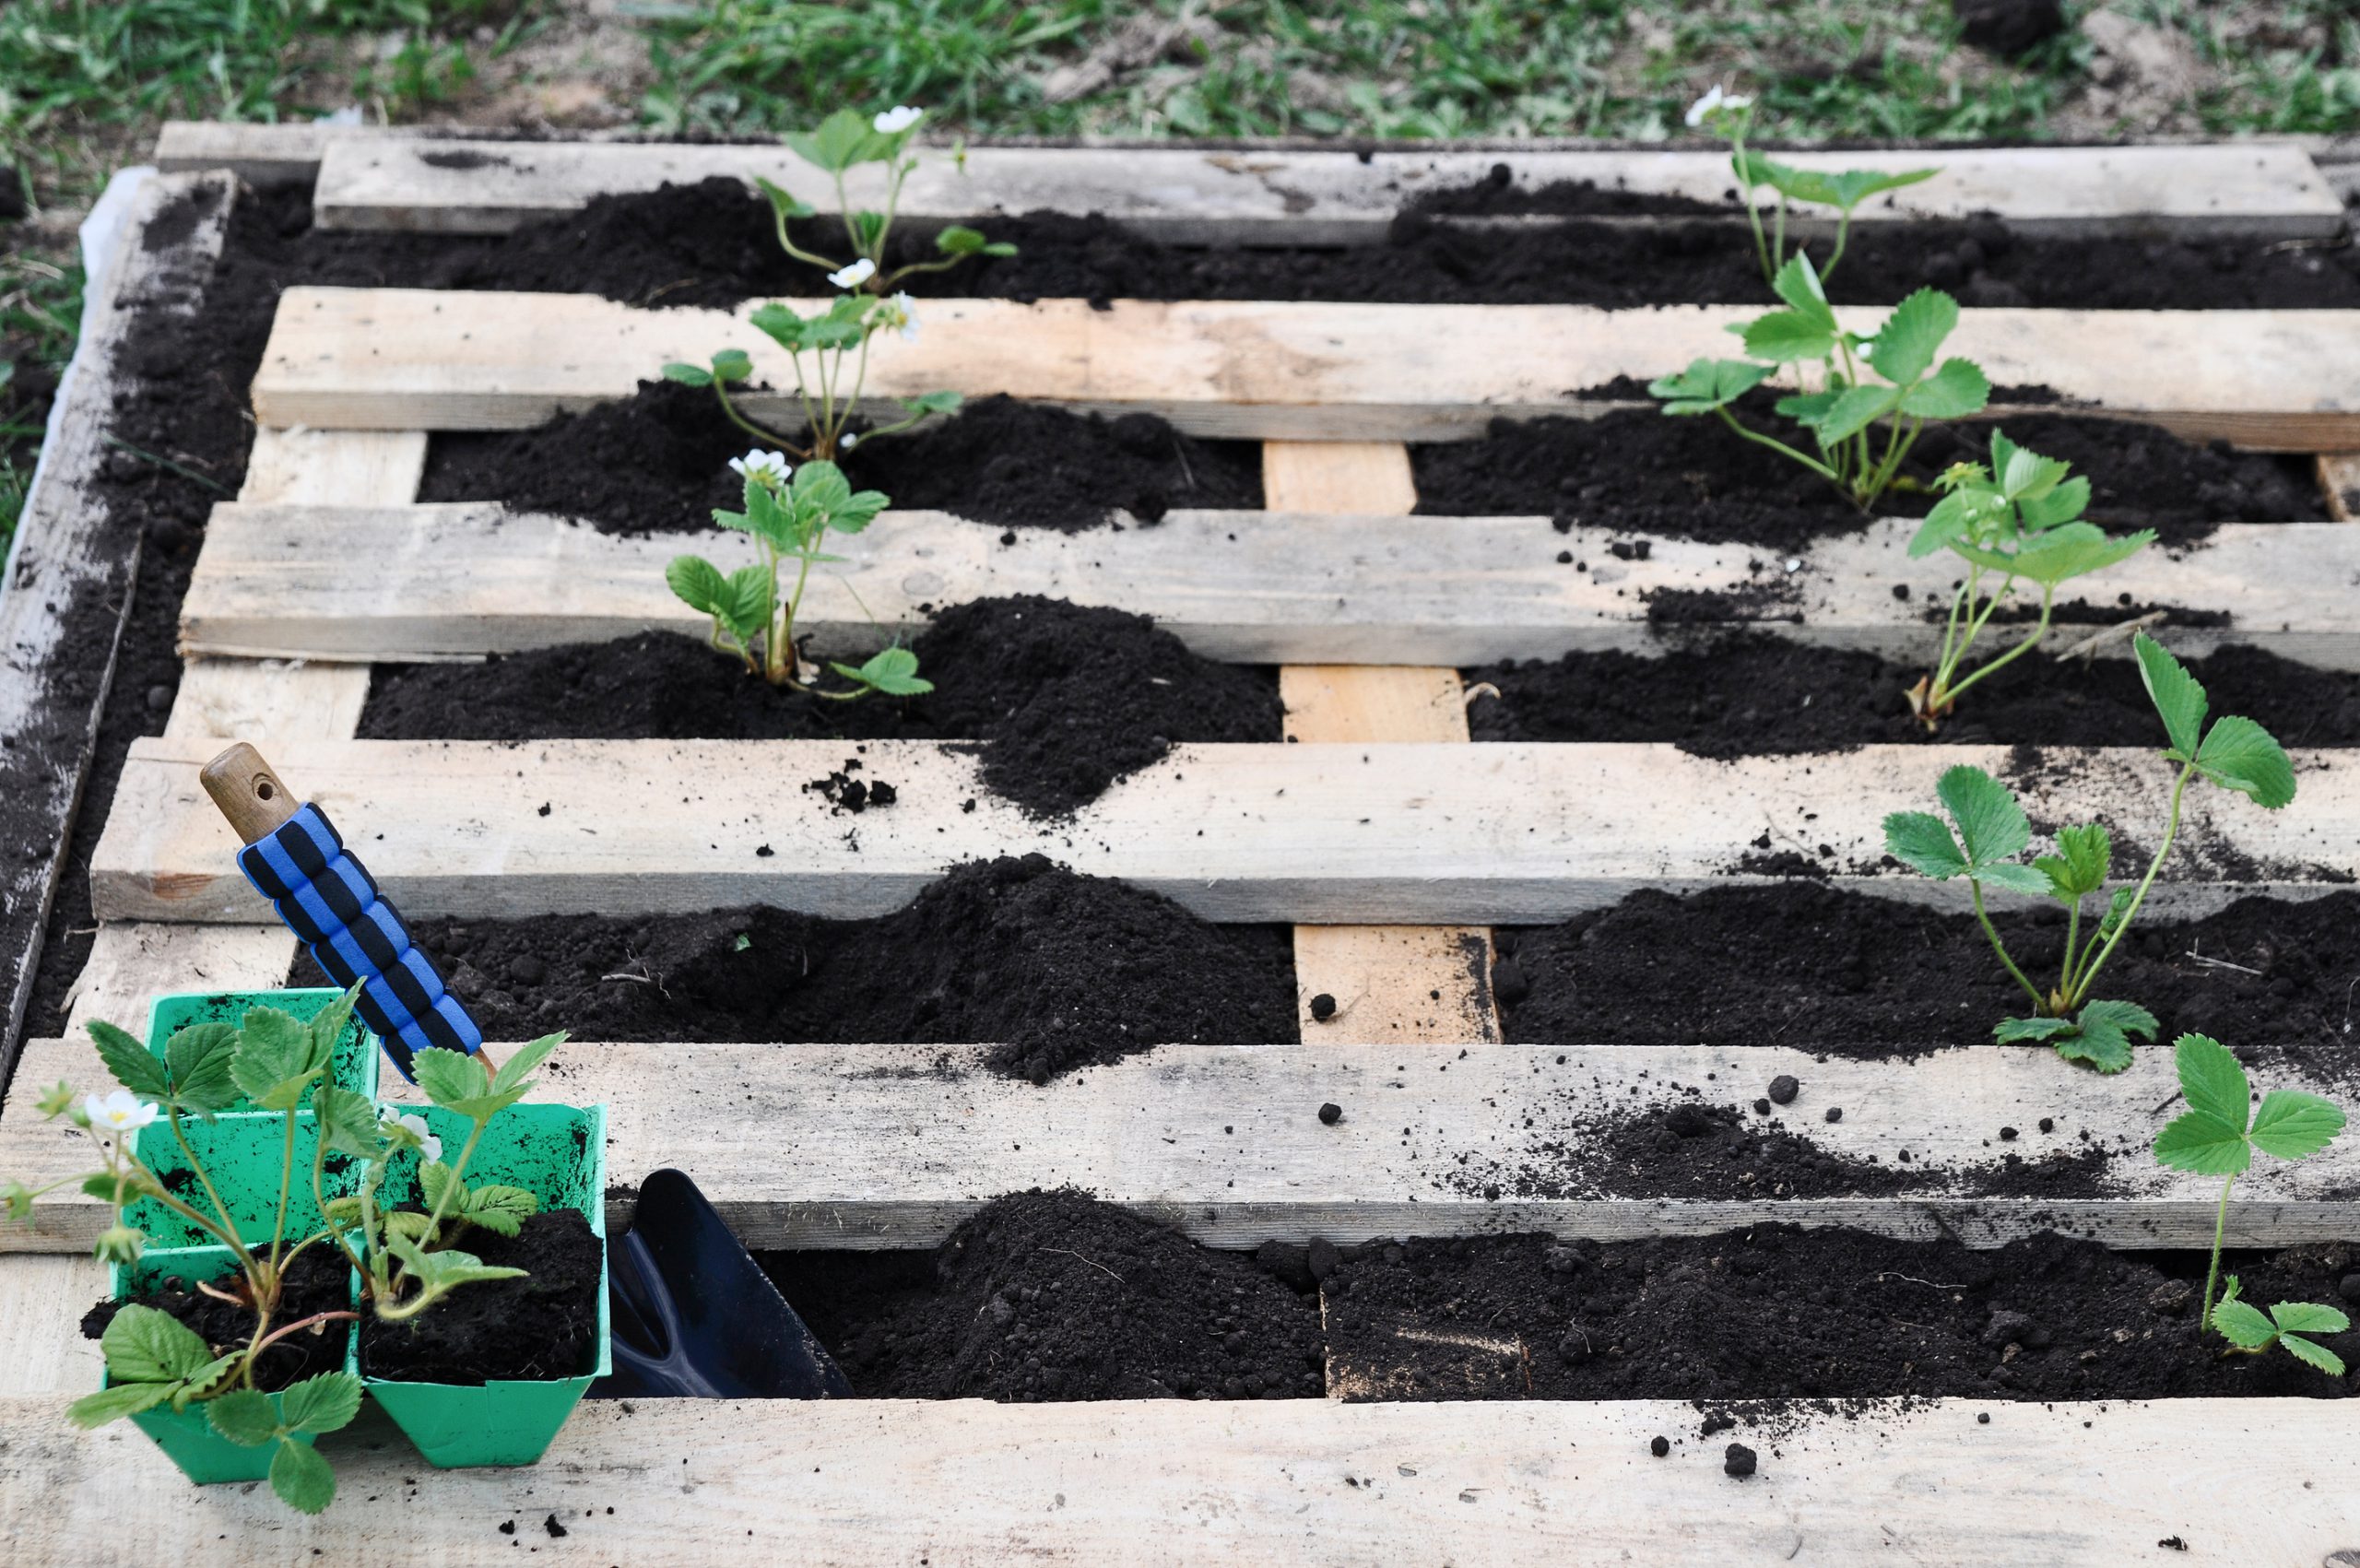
column 39, row 304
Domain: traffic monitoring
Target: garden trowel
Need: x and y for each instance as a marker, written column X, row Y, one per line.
column 693, row 1314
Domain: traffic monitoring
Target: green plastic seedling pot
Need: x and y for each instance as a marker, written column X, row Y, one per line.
column 559, row 1153
column 243, row 1151
column 187, row 1437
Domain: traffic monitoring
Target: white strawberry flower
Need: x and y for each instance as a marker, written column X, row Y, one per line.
column 894, row 121
column 120, row 1112
column 427, row 1144
column 855, row 275
column 1714, row 102
column 770, row 467
column 901, row 312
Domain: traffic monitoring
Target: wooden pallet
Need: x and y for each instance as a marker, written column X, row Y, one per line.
column 1452, row 833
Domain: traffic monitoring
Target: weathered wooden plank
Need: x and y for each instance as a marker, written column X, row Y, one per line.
column 1376, row 983
column 1202, row 195
column 41, row 1302
column 459, row 580
column 56, row 657
column 2340, row 478
column 392, row 359
column 1383, row 834
column 132, row 961
column 892, row 1146
column 709, row 1483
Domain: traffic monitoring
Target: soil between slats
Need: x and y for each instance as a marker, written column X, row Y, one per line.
column 318, row 1283
column 712, row 243
column 1046, row 1296
column 1802, row 964
column 544, row 1325
column 1647, row 473
column 1050, row 1296
column 1065, row 699
column 1757, row 693
column 1776, row 1311
column 658, row 462
column 1054, row 970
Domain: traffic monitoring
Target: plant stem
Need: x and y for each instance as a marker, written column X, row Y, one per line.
column 317, row 1317
column 2048, row 603
column 2213, row 1269
column 1753, row 213
column 286, row 1186
column 172, row 1115
column 746, row 424
column 2073, row 941
column 2171, row 829
column 2005, row 961
column 456, row 1182
column 1822, row 469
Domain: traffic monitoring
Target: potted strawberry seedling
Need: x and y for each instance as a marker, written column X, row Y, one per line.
column 508, row 1201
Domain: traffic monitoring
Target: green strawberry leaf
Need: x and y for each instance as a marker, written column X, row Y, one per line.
column 2292, row 1125
column 2178, row 699
column 129, row 1061
column 2240, row 755
column 1912, row 336
column 2212, row 1080
column 1958, row 389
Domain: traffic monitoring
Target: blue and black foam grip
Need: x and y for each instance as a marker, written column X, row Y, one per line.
column 330, row 901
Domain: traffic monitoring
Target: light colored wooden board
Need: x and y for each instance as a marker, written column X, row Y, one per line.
column 1386, row 985
column 43, row 1297
column 258, row 699
column 1381, row 834
column 892, row 1146
column 712, row 1483
column 303, row 467
column 131, row 961
column 2340, row 478
column 459, row 580
column 2273, row 1483
column 392, row 359
column 1194, row 195
column 63, row 558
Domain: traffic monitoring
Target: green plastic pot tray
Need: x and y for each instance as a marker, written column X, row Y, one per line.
column 187, row 1437
column 559, row 1153
column 242, row 1150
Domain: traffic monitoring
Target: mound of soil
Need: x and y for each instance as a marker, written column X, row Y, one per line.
column 1803, row 965
column 1055, row 971
column 1781, row 1313
column 658, row 462
column 318, row 1283
column 1639, row 470
column 712, row 243
column 1755, row 693
column 1052, row 1296
column 543, row 1325
column 1066, row 699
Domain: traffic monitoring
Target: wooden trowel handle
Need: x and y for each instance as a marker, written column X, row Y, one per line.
column 249, row 792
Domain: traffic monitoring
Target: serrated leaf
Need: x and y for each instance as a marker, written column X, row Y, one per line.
column 244, row 1416
column 782, row 326
column 1913, row 334
column 1796, row 282
column 448, row 1076
column 934, row 403
column 2292, row 1125
column 1956, row 389
column 1922, row 842
column 323, row 1402
column 2063, row 505
column 2084, row 856
column 501, row 1209
column 2202, row 1145
column 2243, row 1325
column 528, row 1057
column 198, row 1059
column 732, row 365
column 1854, row 410
column 1990, row 824
column 2103, row 1034
column 2025, row 1030
column 348, row 1122
column 1949, row 518
column 2314, row 1355
column 2177, row 696
column 94, row 1411
column 129, row 1061
column 1783, row 336
column 958, row 240
column 688, row 375
column 2213, row 1080
column 1707, row 385
column 1804, row 407
column 2308, row 1317
column 840, row 141
column 893, row 671
column 2024, row 879
column 1853, row 186
column 303, row 1480
column 211, row 1375
column 276, row 1058
column 784, row 202
column 2240, row 755
column 698, row 584
column 145, row 1344
column 434, row 1182
column 2075, row 549
column 746, row 601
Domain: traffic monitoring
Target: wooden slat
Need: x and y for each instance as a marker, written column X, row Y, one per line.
column 392, row 359
column 1396, row 984
column 712, row 1483
column 1381, row 834
column 1198, row 196
column 459, row 580
column 892, row 1146
column 55, row 670
column 41, row 1302
column 132, row 961
column 2340, row 478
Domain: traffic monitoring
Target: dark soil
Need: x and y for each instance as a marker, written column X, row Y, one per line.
column 2007, row 28
column 1055, row 971
column 658, row 462
column 318, row 1283
column 544, row 1325
column 1054, row 1296
column 1640, row 471
column 1067, row 700
column 1778, row 1312
column 712, row 243
column 1757, row 693
column 1803, row 965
